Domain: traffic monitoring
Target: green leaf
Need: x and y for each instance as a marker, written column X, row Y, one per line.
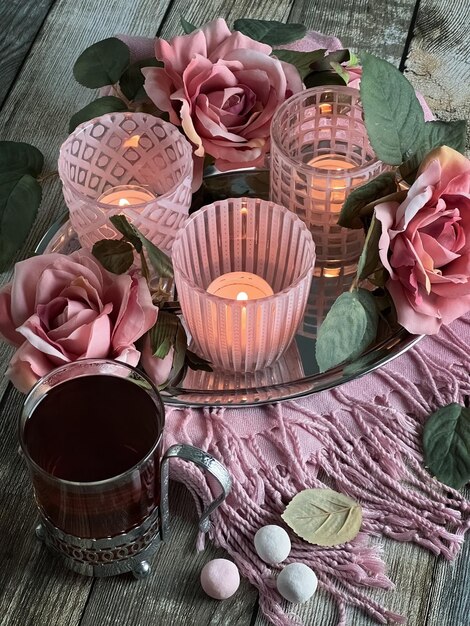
column 20, row 158
column 160, row 261
column 106, row 104
column 115, row 256
column 452, row 134
column 341, row 71
column 270, row 32
column 102, row 64
column 347, row 330
column 303, row 61
column 132, row 81
column 393, row 115
column 351, row 211
column 196, row 362
column 369, row 260
column 19, row 202
column 187, row 26
column 446, row 442
column 317, row 79
column 323, row 517
column 324, row 63
column 122, row 224
column 163, row 333
column 180, row 347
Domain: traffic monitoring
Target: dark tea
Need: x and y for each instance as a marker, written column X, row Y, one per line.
column 90, row 436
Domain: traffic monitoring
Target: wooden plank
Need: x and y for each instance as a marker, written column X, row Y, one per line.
column 20, row 22
column 438, row 64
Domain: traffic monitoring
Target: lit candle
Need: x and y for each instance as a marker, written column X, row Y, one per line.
column 126, row 195
column 331, row 188
column 240, row 286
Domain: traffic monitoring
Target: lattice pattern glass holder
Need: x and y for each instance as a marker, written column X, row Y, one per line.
column 324, row 124
column 243, row 235
column 127, row 149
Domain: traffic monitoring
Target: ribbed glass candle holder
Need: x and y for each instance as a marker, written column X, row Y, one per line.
column 320, row 152
column 129, row 163
column 243, row 269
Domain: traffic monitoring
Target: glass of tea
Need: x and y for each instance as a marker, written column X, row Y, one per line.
column 92, row 435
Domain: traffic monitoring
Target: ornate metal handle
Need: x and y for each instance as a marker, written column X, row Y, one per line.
column 206, row 462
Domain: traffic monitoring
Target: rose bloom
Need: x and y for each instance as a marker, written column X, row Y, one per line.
column 425, row 244
column 223, row 89
column 59, row 309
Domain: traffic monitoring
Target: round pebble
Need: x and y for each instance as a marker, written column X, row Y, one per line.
column 297, row 583
column 272, row 544
column 220, row 578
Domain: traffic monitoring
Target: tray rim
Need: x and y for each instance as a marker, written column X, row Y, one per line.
column 390, row 347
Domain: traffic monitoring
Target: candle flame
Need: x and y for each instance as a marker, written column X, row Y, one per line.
column 124, row 202
column 326, row 108
column 132, row 142
column 242, row 295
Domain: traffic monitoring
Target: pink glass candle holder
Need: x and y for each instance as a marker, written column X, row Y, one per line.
column 129, row 163
column 243, row 269
column 320, row 152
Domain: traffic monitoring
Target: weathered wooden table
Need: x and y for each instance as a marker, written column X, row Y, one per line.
column 39, row 41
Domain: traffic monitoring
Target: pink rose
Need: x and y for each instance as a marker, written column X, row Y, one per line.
column 223, row 89
column 158, row 370
column 425, row 244
column 62, row 308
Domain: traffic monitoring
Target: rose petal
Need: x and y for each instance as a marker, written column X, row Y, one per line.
column 27, row 366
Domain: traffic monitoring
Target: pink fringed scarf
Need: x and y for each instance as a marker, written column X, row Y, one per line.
column 362, row 439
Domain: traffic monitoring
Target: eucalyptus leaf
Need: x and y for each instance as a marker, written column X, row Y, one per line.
column 323, row 517
column 20, row 158
column 369, row 260
column 347, row 330
column 392, row 113
column 122, row 224
column 270, row 32
column 303, row 61
column 19, row 202
column 132, row 81
column 102, row 64
column 187, row 26
column 446, row 443
column 351, row 211
column 437, row 133
column 114, row 255
column 106, row 104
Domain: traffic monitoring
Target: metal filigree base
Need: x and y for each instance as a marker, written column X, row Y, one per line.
column 127, row 552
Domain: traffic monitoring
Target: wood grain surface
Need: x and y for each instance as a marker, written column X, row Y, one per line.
column 41, row 95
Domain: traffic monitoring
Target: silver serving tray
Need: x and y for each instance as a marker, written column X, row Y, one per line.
column 296, row 373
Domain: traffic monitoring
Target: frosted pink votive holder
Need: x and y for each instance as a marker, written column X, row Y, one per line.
column 130, row 163
column 254, row 237
column 320, row 152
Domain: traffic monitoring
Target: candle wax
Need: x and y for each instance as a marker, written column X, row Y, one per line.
column 126, row 195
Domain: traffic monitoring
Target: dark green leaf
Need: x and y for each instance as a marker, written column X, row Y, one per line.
column 393, row 115
column 452, row 134
column 369, row 260
column 160, row 261
column 446, row 442
column 122, row 224
column 196, row 362
column 270, row 32
column 187, row 26
column 106, row 104
column 20, row 158
column 180, row 346
column 163, row 334
column 323, row 64
column 317, row 79
column 132, row 81
column 383, row 185
column 349, row 327
column 301, row 60
column 19, row 202
column 115, row 256
column 102, row 64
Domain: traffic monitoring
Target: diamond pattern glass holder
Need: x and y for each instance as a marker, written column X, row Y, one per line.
column 296, row 373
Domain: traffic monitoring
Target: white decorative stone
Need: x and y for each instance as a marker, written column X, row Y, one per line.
column 220, row 578
column 272, row 544
column 297, row 583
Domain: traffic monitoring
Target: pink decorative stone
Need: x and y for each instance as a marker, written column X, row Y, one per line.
column 140, row 152
column 220, row 578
